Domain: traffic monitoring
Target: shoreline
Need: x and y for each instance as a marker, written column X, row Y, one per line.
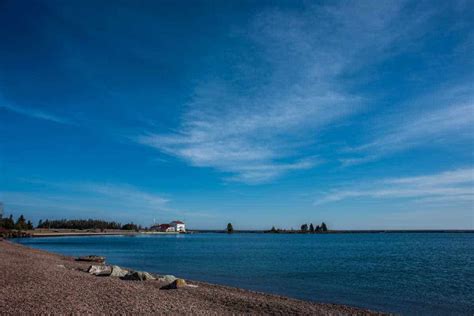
column 34, row 281
column 74, row 232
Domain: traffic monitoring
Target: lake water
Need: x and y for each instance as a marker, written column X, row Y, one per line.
column 409, row 273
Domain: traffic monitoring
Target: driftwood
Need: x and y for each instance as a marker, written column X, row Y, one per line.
column 91, row 258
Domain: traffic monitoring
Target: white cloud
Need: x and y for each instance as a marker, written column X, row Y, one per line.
column 451, row 119
column 459, row 176
column 34, row 113
column 449, row 186
column 254, row 123
column 123, row 193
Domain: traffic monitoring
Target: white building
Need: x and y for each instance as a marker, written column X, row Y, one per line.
column 178, row 226
column 167, row 228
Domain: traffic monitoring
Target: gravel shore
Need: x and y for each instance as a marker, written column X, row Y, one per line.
column 38, row 282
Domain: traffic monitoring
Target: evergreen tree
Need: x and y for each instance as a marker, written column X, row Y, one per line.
column 29, row 225
column 20, row 223
column 40, row 223
column 230, row 229
column 318, row 229
column 324, row 227
column 273, row 230
column 130, row 226
column 79, row 224
column 9, row 223
column 311, row 228
column 304, row 227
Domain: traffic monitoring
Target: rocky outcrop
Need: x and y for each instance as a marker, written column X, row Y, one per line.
column 168, row 279
column 118, row 272
column 176, row 284
column 100, row 270
column 138, row 276
column 91, row 258
column 6, row 233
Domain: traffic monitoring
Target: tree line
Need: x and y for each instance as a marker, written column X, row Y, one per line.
column 305, row 228
column 85, row 224
column 20, row 224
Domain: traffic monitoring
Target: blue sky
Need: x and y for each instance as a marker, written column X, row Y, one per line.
column 359, row 114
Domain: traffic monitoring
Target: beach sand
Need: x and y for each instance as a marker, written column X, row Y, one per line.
column 37, row 282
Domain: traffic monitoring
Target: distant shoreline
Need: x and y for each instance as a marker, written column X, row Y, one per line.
column 71, row 233
column 388, row 231
column 77, row 232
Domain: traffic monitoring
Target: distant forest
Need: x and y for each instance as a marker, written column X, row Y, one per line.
column 85, row 224
column 21, row 223
column 303, row 229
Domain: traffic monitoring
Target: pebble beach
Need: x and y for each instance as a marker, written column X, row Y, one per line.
column 38, row 282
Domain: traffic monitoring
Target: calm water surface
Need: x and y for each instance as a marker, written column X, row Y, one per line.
column 410, row 273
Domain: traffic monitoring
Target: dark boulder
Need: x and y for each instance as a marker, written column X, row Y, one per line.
column 138, row 276
column 176, row 284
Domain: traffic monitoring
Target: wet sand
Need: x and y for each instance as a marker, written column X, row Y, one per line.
column 37, row 282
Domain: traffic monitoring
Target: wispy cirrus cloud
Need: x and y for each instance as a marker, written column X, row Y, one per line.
column 448, row 186
column 35, row 113
column 441, row 117
column 123, row 194
column 254, row 122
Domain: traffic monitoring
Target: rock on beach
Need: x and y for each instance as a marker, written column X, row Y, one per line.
column 138, row 276
column 100, row 270
column 168, row 279
column 177, row 284
column 118, row 272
